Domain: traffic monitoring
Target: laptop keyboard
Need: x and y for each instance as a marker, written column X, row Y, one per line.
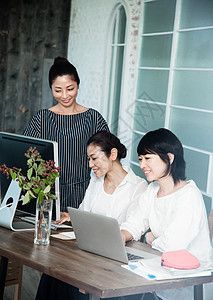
column 133, row 257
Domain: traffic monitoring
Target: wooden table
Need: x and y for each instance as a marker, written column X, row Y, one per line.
column 91, row 273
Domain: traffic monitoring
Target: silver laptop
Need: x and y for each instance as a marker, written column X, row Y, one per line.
column 101, row 235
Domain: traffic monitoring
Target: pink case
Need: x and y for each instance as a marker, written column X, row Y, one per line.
column 179, row 259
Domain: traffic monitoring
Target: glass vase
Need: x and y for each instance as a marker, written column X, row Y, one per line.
column 43, row 222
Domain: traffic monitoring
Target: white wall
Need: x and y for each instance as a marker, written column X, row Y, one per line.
column 88, row 50
column 87, row 44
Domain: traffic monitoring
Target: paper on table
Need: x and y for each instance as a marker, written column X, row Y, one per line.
column 70, row 235
column 151, row 269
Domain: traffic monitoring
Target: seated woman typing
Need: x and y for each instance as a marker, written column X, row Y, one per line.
column 113, row 191
column 171, row 207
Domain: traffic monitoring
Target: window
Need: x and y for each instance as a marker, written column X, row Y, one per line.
column 118, row 37
column 174, row 82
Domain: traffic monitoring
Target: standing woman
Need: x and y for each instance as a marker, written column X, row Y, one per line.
column 71, row 125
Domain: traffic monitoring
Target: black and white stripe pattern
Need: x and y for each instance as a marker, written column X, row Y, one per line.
column 72, row 133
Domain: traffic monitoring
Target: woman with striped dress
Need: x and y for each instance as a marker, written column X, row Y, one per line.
column 71, row 125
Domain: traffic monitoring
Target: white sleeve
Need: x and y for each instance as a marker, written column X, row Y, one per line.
column 138, row 222
column 137, row 192
column 89, row 195
column 185, row 223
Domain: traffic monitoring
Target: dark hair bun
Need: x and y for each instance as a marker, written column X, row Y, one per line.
column 122, row 151
column 107, row 141
column 61, row 67
column 59, row 60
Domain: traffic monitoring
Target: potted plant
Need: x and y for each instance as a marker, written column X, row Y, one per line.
column 37, row 185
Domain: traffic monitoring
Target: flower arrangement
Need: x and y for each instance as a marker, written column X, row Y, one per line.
column 40, row 177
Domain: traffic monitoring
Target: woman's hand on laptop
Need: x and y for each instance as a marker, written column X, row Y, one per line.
column 64, row 217
column 126, row 236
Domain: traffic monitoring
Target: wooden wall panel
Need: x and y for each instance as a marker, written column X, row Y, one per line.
column 30, row 32
column 4, row 8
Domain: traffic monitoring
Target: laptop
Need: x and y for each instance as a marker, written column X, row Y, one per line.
column 101, row 235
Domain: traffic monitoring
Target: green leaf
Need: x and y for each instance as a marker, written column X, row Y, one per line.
column 51, row 196
column 29, row 173
column 40, row 170
column 37, row 190
column 11, row 173
column 26, row 198
column 45, row 181
column 29, row 185
column 29, row 161
column 13, row 176
column 41, row 160
column 40, row 197
column 47, row 189
column 31, row 194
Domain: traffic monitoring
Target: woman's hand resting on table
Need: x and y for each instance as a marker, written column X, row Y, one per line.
column 149, row 238
column 64, row 217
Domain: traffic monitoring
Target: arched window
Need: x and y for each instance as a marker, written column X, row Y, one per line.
column 117, row 43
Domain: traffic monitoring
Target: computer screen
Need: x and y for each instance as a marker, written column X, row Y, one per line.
column 12, row 150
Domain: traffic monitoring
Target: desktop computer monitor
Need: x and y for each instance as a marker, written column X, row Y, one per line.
column 12, row 150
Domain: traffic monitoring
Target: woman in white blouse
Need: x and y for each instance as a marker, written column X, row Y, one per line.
column 114, row 190
column 171, row 207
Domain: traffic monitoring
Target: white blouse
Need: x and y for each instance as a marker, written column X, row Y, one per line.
column 178, row 221
column 119, row 205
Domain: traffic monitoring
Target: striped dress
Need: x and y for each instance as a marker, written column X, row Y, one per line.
column 72, row 133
